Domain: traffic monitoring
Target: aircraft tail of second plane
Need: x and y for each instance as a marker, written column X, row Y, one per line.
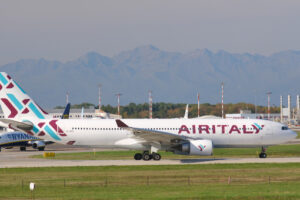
column 15, row 102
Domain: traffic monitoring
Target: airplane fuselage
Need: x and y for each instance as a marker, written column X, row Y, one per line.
column 106, row 133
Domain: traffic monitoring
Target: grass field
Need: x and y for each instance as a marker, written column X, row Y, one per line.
column 222, row 181
column 273, row 151
column 298, row 132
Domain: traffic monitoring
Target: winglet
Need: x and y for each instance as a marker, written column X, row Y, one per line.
column 186, row 114
column 121, row 124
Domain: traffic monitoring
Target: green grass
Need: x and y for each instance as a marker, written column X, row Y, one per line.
column 273, row 151
column 298, row 132
column 248, row 181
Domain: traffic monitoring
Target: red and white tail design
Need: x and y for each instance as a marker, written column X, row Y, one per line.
column 15, row 103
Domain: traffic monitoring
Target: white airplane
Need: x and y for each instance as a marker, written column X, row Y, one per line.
column 181, row 136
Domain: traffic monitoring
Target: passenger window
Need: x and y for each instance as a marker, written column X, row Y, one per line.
column 284, row 128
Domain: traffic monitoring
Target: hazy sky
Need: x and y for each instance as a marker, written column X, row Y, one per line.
column 64, row 30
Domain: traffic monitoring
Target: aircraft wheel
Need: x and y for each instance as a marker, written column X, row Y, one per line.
column 41, row 148
column 156, row 156
column 147, row 156
column 22, row 148
column 262, row 155
column 138, row 156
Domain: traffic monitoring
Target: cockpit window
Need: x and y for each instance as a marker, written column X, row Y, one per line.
column 284, row 128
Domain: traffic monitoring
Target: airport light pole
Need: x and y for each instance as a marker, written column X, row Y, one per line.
column 281, row 111
column 150, row 104
column 99, row 88
column 118, row 96
column 269, row 94
column 198, row 105
column 222, row 100
column 67, row 97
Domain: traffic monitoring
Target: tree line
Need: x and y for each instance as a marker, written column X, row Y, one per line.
column 174, row 110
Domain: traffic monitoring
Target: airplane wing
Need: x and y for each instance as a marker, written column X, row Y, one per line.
column 153, row 135
column 21, row 126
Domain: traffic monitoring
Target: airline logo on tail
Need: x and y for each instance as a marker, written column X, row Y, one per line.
column 17, row 101
column 16, row 104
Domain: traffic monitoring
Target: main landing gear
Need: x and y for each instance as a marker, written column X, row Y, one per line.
column 146, row 156
column 22, row 148
column 263, row 153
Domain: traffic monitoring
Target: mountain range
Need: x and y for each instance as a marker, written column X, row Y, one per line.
column 172, row 76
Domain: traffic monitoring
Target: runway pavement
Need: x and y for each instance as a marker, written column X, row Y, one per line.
column 14, row 158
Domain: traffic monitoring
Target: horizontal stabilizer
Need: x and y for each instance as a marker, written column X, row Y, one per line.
column 26, row 126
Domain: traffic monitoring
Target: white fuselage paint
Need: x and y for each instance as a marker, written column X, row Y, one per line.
column 105, row 132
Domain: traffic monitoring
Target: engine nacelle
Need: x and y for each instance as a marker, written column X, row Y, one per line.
column 38, row 144
column 196, row 147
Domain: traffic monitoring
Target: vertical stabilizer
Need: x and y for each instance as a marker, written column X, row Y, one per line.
column 15, row 103
column 66, row 114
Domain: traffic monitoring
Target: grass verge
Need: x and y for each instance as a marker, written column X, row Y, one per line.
column 222, row 181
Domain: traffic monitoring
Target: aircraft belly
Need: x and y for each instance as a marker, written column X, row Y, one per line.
column 104, row 139
column 238, row 140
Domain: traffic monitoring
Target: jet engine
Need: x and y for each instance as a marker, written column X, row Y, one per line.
column 195, row 147
column 40, row 145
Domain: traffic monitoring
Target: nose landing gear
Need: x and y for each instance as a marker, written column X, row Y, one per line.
column 263, row 153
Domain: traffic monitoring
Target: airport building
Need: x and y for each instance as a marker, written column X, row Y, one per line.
column 90, row 113
column 246, row 114
column 287, row 115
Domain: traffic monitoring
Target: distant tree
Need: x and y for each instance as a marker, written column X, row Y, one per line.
column 171, row 110
column 84, row 105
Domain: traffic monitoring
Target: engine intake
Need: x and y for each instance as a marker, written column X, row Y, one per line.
column 38, row 144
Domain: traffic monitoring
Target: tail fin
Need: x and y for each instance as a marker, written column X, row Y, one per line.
column 66, row 113
column 15, row 103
